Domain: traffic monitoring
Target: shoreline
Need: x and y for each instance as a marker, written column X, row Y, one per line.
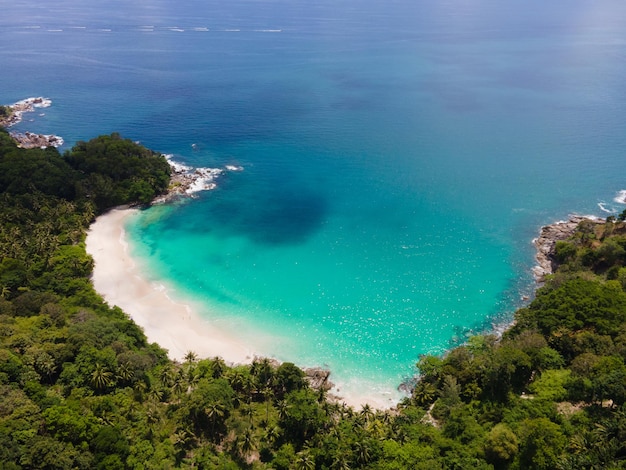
column 177, row 326
column 174, row 326
column 546, row 241
column 186, row 181
column 29, row 140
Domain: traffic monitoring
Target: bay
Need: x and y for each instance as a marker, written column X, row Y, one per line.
column 398, row 157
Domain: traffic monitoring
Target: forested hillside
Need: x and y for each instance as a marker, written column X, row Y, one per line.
column 80, row 387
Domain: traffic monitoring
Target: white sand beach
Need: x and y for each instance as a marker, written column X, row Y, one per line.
column 174, row 326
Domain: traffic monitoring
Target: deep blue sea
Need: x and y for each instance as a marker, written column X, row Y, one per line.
column 398, row 156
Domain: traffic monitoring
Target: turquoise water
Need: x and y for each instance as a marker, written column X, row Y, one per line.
column 398, row 157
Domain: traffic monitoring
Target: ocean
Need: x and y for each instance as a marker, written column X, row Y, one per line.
column 398, row 157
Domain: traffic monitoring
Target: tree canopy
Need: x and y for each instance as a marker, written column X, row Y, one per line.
column 113, row 171
column 107, row 171
column 81, row 387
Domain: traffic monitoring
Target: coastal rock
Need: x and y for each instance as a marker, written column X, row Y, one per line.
column 318, row 378
column 187, row 181
column 24, row 106
column 546, row 241
column 29, row 140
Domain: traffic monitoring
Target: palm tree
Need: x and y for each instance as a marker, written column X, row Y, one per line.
column 182, row 440
column 332, row 410
column 321, row 394
column 237, row 401
column 152, row 415
column 125, row 373
column 15, row 243
column 153, row 419
column 215, row 412
column 262, row 372
column 155, row 394
column 236, row 380
column 271, row 435
column 362, row 452
column 304, row 461
column 192, row 379
column 4, row 293
column 283, row 409
column 385, row 416
column 399, row 434
column 249, row 411
column 190, row 357
column 45, row 365
column 340, row 462
column 377, row 429
column 268, row 392
column 218, row 366
column 166, row 376
column 105, row 418
column 346, row 411
column 178, row 386
column 424, row 393
column 140, row 388
column 366, row 412
column 334, row 433
column 101, row 378
column 248, row 386
column 246, row 444
column 131, row 410
column 88, row 213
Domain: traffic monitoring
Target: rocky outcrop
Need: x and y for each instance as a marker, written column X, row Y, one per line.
column 186, row 181
column 25, row 106
column 546, row 241
column 318, row 378
column 29, row 140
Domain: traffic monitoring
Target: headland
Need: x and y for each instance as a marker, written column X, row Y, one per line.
column 549, row 235
column 187, row 181
column 13, row 115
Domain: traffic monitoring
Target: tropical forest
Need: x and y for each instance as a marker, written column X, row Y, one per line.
column 82, row 388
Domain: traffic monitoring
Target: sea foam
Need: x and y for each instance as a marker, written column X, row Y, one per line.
column 603, row 208
column 621, row 197
column 38, row 102
column 195, row 180
column 176, row 166
column 204, row 179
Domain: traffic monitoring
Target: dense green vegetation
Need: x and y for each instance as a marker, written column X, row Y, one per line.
column 80, row 387
column 106, row 171
column 113, row 171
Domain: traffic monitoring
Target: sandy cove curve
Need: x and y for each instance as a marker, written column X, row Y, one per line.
column 177, row 326
column 174, row 326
